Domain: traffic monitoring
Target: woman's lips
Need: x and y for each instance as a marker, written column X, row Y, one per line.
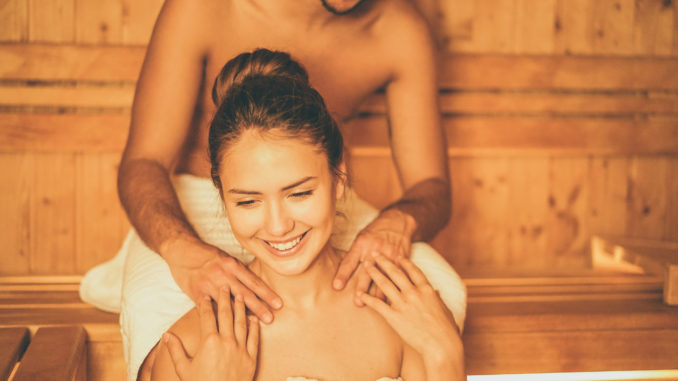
column 288, row 248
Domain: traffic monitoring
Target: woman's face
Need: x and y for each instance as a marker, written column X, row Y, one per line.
column 280, row 198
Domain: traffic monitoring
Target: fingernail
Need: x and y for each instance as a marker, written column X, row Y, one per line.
column 337, row 284
column 268, row 318
column 239, row 298
column 277, row 303
column 165, row 337
column 375, row 254
column 253, row 319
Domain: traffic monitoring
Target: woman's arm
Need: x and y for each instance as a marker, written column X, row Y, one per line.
column 227, row 350
column 417, row 313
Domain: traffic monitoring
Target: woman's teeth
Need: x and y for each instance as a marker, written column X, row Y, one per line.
column 287, row 245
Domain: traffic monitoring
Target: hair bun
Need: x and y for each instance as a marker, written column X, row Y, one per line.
column 261, row 62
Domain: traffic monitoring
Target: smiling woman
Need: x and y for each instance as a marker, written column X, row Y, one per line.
column 277, row 163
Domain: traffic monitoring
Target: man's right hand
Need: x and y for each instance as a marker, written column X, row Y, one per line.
column 201, row 269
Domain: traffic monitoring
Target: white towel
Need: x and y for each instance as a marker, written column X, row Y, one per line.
column 137, row 281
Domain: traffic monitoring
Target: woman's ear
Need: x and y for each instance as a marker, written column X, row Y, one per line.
column 342, row 180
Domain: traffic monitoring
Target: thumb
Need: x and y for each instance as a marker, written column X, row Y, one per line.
column 177, row 352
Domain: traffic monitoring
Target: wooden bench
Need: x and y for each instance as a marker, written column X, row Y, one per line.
column 514, row 325
column 71, row 340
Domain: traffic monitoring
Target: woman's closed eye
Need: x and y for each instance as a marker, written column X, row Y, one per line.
column 302, row 195
column 246, row 203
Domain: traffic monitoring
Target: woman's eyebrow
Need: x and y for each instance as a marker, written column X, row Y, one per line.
column 296, row 184
column 287, row 187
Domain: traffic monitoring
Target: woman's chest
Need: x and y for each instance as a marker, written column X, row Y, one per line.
column 335, row 349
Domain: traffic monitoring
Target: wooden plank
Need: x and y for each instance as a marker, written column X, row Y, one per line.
column 614, row 21
column 528, row 208
column 552, row 136
column 646, row 201
column 534, row 26
column 457, row 103
column 99, row 22
column 492, row 71
column 609, row 192
column 459, row 71
column 51, row 21
column 97, row 200
column 573, row 27
column 493, row 23
column 671, row 227
column 55, row 354
column 533, row 103
column 138, row 20
column 567, row 223
column 70, row 62
column 15, row 195
column 117, row 95
column 53, row 214
column 105, row 132
column 14, row 21
column 653, row 28
column 571, row 351
column 13, row 343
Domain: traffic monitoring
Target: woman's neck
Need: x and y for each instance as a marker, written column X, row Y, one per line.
column 306, row 290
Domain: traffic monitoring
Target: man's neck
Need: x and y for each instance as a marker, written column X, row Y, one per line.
column 305, row 290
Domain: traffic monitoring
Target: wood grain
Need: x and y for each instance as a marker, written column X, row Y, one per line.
column 55, row 354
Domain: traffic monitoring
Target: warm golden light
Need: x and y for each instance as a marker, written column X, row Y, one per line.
column 583, row 376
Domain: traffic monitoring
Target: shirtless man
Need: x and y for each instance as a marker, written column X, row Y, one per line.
column 350, row 48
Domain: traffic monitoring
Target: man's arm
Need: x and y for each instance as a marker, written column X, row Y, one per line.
column 162, row 115
column 418, row 147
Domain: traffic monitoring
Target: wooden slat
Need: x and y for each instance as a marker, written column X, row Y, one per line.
column 551, row 136
column 52, row 214
column 70, row 62
column 14, row 20
column 50, row 96
column 64, row 132
column 55, row 354
column 558, row 72
column 459, row 71
column 15, row 205
column 543, row 102
column 51, row 21
column 572, row 351
column 97, row 200
column 13, row 343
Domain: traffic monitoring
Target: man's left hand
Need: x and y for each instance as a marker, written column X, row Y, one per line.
column 390, row 235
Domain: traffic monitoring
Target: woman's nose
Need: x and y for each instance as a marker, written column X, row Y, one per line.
column 278, row 221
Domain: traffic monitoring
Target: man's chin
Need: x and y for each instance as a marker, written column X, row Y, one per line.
column 342, row 11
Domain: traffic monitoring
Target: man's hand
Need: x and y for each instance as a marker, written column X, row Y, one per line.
column 202, row 270
column 390, row 234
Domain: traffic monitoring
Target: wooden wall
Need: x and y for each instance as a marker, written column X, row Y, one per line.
column 537, row 165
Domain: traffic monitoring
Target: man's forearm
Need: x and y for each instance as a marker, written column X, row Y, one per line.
column 152, row 206
column 429, row 204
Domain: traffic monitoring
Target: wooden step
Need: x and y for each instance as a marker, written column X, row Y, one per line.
column 55, row 354
column 13, row 343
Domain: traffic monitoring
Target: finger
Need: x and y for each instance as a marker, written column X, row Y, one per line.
column 253, row 337
column 177, row 353
column 255, row 305
column 225, row 313
column 376, row 304
column 363, row 283
column 396, row 275
column 208, row 324
column 260, row 289
column 379, row 294
column 347, row 266
column 415, row 274
column 385, row 284
column 239, row 320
